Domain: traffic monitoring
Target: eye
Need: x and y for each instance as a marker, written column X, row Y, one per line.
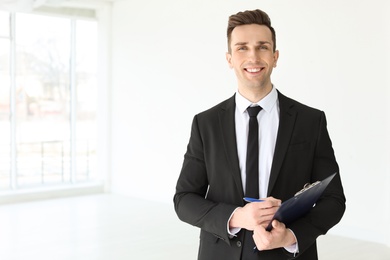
column 263, row 47
column 242, row 48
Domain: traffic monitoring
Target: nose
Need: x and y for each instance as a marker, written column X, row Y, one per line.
column 253, row 56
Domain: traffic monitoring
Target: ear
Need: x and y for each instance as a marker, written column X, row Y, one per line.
column 229, row 59
column 276, row 57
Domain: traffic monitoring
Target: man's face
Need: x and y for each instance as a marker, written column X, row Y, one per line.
column 252, row 56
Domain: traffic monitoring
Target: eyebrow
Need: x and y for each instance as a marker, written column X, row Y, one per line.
column 245, row 43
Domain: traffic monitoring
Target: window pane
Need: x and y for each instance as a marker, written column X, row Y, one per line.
column 42, row 99
column 4, row 24
column 86, row 85
column 4, row 114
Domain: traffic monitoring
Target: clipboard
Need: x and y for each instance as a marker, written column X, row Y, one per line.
column 302, row 202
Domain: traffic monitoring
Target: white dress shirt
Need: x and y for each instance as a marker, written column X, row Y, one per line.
column 268, row 119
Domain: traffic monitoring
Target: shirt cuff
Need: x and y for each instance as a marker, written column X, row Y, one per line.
column 293, row 249
column 232, row 231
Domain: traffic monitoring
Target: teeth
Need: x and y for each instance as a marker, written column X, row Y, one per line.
column 253, row 70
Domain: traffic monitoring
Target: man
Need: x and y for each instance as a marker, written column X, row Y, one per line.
column 293, row 149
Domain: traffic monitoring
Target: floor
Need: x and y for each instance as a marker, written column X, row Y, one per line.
column 113, row 227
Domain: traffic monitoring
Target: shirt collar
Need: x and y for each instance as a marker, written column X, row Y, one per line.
column 267, row 103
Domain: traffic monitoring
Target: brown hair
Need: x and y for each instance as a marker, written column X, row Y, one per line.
column 249, row 17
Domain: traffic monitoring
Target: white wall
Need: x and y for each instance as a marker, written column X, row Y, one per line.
column 169, row 63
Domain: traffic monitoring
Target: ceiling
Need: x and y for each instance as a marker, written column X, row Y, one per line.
column 29, row 5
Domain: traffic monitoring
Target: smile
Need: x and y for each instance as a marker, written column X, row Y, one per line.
column 253, row 70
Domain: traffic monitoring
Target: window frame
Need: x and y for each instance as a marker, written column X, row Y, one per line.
column 100, row 184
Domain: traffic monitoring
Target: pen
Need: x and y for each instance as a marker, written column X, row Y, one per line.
column 247, row 199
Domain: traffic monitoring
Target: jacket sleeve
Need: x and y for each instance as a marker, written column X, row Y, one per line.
column 330, row 208
column 190, row 200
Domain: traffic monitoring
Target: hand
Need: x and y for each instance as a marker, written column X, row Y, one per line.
column 279, row 236
column 254, row 214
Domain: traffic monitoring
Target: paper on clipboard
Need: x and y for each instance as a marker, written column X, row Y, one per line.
column 301, row 203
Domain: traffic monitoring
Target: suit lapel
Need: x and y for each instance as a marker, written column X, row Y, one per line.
column 286, row 126
column 228, row 132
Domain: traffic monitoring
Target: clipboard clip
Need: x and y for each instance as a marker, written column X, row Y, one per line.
column 306, row 187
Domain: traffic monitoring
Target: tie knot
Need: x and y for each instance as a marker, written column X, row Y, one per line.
column 253, row 111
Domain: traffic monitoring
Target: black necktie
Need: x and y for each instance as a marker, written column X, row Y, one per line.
column 252, row 154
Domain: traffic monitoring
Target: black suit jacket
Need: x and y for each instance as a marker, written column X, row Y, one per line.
column 209, row 187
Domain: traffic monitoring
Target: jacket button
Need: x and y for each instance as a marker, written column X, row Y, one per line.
column 239, row 243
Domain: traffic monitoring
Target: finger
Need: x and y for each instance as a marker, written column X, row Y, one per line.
column 267, row 204
column 275, row 202
column 268, row 211
column 275, row 224
column 259, row 231
column 278, row 225
column 265, row 216
column 261, row 237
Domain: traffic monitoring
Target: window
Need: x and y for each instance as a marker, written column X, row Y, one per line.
column 4, row 100
column 48, row 100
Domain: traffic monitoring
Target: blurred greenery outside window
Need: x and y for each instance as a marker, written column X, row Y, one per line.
column 48, row 100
